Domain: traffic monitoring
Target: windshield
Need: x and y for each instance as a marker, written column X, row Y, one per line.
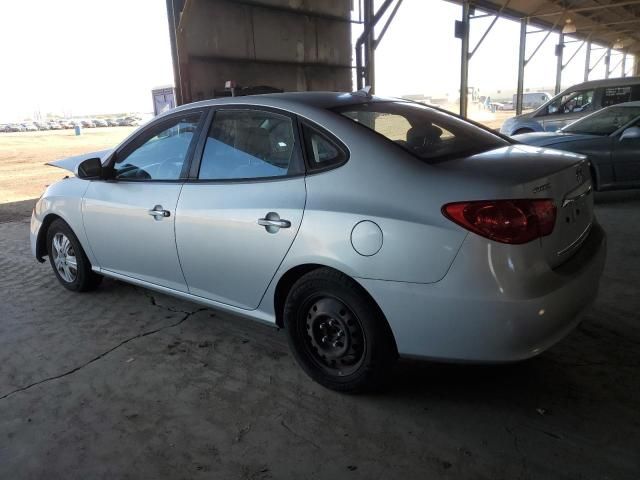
column 427, row 133
column 604, row 122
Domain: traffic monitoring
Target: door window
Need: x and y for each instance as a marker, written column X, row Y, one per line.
column 572, row 102
column 249, row 144
column 614, row 95
column 161, row 153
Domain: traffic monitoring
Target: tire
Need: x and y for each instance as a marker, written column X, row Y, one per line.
column 522, row 130
column 337, row 334
column 68, row 260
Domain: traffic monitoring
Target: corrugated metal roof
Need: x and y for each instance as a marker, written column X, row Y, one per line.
column 603, row 21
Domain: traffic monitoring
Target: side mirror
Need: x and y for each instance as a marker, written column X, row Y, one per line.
column 630, row 133
column 90, row 169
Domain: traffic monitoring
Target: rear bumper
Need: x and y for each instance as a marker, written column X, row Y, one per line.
column 494, row 305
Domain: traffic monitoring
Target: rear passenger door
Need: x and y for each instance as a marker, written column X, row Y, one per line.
column 239, row 214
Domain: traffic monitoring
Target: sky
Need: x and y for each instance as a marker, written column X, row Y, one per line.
column 83, row 57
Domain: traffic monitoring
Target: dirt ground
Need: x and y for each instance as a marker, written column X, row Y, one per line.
column 23, row 173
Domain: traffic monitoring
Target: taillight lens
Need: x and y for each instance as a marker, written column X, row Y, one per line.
column 506, row 221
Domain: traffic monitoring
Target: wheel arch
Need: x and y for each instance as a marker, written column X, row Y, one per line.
column 291, row 276
column 41, row 242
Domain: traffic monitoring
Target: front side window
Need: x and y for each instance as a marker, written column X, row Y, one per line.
column 604, row 122
column 248, row 144
column 427, row 133
column 572, row 102
column 161, row 153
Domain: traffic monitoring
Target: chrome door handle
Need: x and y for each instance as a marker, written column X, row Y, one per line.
column 272, row 222
column 158, row 212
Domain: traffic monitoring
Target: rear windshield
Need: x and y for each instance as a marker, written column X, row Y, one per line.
column 604, row 122
column 429, row 134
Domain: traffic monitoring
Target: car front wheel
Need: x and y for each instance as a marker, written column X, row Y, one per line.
column 337, row 333
column 68, row 260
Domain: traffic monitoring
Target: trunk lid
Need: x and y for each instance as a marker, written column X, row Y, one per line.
column 527, row 172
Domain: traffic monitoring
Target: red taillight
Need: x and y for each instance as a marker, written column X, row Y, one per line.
column 506, row 221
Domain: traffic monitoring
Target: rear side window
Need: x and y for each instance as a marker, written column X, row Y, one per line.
column 427, row 133
column 615, row 95
column 322, row 152
column 249, row 144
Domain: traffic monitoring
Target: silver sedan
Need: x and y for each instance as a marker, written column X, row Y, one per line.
column 368, row 228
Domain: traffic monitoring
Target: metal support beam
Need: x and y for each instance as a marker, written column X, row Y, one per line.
column 521, row 64
column 173, row 15
column 365, row 73
column 559, row 50
column 369, row 55
column 574, row 53
column 604, row 54
column 624, row 64
column 621, row 61
column 464, row 60
column 607, row 63
column 587, row 62
column 386, row 25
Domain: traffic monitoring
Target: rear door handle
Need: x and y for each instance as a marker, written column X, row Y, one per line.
column 272, row 222
column 159, row 213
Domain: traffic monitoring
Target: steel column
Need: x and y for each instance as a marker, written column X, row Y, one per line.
column 559, row 50
column 624, row 64
column 521, row 63
column 607, row 63
column 587, row 61
column 464, row 60
column 369, row 56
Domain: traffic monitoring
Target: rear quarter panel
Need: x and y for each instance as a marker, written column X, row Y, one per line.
column 384, row 184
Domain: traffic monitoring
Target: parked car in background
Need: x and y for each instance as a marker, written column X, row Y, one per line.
column 365, row 227
column 30, row 127
column 87, row 124
column 42, row 125
column 15, row 127
column 574, row 103
column 66, row 124
column 112, row 122
column 609, row 137
column 533, row 99
column 55, row 126
column 98, row 122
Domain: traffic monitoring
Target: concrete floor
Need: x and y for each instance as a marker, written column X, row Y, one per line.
column 123, row 383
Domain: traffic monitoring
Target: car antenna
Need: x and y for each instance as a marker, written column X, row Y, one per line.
column 363, row 92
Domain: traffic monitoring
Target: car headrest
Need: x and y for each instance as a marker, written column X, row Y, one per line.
column 421, row 135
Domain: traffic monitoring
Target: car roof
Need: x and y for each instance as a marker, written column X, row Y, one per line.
column 607, row 82
column 321, row 100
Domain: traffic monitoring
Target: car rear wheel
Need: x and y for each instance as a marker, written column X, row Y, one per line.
column 68, row 260
column 337, row 333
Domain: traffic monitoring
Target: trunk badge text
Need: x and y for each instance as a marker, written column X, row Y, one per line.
column 542, row 188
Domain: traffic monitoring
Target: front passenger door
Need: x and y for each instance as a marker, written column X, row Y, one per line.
column 129, row 219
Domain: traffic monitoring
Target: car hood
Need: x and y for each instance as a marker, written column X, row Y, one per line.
column 546, row 139
column 71, row 163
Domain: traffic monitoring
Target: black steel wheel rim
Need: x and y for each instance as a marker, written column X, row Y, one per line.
column 333, row 335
